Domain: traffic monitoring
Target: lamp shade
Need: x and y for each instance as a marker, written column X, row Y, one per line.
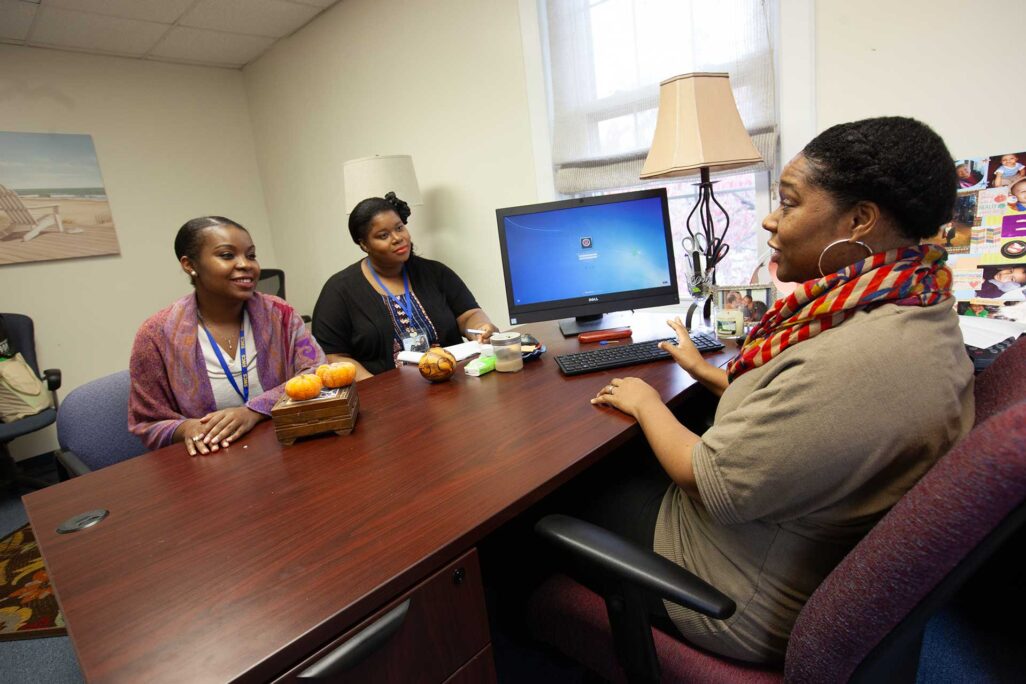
column 375, row 176
column 698, row 126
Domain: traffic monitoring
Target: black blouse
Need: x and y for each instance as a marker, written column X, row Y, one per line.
column 352, row 319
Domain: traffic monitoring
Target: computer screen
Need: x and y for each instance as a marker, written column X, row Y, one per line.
column 578, row 259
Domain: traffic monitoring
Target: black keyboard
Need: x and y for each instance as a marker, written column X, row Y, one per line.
column 982, row 358
column 619, row 355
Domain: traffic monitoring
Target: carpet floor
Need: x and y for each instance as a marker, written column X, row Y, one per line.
column 34, row 661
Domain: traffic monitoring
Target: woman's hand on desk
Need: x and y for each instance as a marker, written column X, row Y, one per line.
column 227, row 425
column 216, row 430
column 630, row 395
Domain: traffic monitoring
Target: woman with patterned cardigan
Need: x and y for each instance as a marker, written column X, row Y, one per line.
column 209, row 367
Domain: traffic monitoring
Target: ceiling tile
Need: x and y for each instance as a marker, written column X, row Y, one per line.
column 316, row 3
column 64, row 28
column 210, row 47
column 162, row 11
column 273, row 18
column 16, row 18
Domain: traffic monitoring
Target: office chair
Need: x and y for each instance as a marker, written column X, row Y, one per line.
column 22, row 333
column 272, row 282
column 865, row 622
column 92, row 426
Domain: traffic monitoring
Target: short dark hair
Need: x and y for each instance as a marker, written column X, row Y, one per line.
column 898, row 163
column 190, row 235
column 363, row 214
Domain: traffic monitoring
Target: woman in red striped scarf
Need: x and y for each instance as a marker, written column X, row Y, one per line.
column 842, row 396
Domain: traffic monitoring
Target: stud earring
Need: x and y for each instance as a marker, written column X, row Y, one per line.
column 192, row 273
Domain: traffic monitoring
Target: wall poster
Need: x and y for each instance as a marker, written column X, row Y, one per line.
column 986, row 239
column 53, row 204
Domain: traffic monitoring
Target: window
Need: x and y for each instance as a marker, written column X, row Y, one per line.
column 604, row 61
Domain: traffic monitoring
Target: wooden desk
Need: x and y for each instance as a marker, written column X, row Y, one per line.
column 241, row 564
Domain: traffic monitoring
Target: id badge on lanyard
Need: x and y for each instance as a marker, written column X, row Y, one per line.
column 416, row 341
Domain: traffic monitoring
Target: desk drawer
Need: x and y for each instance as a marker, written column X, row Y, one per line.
column 425, row 635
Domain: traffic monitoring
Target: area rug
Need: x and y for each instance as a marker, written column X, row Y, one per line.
column 28, row 607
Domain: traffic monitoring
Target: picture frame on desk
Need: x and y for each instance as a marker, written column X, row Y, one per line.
column 753, row 300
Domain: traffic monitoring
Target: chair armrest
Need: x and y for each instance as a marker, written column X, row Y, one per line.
column 53, row 378
column 72, row 463
column 638, row 566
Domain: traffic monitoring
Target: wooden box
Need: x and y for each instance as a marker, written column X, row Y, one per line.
column 333, row 411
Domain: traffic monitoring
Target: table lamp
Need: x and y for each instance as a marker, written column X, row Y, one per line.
column 378, row 175
column 699, row 128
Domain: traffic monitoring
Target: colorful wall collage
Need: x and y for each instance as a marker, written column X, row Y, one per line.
column 986, row 238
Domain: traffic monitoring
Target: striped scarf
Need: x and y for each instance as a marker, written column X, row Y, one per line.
column 911, row 276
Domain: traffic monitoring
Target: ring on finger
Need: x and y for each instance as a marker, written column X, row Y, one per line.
column 197, row 438
column 608, row 389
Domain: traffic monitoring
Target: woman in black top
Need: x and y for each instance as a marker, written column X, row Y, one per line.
column 392, row 299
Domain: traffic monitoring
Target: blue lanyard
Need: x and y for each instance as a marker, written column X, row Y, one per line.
column 407, row 307
column 244, row 392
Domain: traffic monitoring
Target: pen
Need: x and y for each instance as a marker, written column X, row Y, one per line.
column 475, row 331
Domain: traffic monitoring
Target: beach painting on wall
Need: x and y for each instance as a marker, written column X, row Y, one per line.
column 53, row 204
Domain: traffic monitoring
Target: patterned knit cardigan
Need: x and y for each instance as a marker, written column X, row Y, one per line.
column 169, row 374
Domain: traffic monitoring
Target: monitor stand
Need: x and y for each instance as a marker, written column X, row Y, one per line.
column 575, row 326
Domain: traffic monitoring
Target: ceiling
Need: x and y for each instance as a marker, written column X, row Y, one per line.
column 222, row 33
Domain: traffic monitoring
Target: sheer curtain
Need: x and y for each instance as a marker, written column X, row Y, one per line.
column 606, row 59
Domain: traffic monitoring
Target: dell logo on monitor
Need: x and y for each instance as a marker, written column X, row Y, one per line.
column 593, row 299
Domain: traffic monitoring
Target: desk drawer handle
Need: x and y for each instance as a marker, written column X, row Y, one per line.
column 353, row 652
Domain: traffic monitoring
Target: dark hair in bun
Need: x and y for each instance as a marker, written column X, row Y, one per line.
column 363, row 214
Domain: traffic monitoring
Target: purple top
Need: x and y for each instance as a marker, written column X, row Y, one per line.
column 169, row 375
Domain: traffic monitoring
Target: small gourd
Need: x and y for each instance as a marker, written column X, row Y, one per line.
column 437, row 364
column 303, row 387
column 338, row 374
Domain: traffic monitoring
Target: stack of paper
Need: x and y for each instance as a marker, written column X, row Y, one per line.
column 461, row 351
column 986, row 332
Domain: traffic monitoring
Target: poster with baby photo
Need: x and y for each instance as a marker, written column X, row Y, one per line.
column 972, row 173
column 1005, row 169
column 1005, row 282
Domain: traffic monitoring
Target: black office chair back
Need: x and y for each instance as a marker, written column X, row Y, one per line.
column 22, row 333
column 272, row 282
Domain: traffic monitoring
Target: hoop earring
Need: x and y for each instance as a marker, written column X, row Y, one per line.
column 826, row 249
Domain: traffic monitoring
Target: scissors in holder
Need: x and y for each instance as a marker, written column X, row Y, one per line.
column 719, row 251
column 696, row 243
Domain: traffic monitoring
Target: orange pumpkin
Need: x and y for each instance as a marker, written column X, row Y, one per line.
column 302, row 387
column 338, row 374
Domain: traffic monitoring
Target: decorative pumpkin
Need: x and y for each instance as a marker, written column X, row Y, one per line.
column 302, row 387
column 338, row 374
column 437, row 365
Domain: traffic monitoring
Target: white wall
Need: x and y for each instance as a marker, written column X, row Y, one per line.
column 173, row 142
column 945, row 62
column 441, row 81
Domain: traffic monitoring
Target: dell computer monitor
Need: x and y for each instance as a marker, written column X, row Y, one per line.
column 581, row 258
